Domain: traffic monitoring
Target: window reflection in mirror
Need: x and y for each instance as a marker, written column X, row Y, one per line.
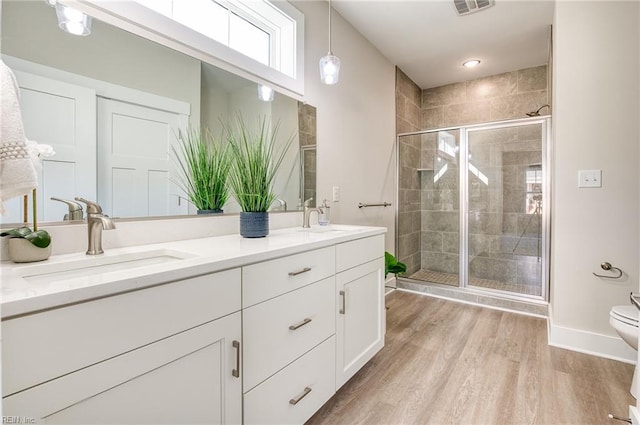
column 111, row 103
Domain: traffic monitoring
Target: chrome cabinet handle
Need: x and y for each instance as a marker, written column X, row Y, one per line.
column 236, row 372
column 634, row 300
column 343, row 309
column 306, row 269
column 305, row 393
column 299, row 325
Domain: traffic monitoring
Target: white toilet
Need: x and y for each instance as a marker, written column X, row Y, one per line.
column 624, row 319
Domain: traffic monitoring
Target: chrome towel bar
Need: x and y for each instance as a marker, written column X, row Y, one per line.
column 384, row 204
column 608, row 267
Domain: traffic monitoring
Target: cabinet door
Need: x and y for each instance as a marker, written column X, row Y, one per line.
column 187, row 378
column 360, row 317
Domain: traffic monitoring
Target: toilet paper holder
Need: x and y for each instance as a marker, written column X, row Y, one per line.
column 608, row 267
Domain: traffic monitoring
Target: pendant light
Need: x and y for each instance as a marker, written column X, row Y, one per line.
column 329, row 64
column 71, row 20
column 265, row 93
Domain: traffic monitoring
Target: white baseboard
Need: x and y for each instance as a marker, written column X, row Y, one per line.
column 610, row 347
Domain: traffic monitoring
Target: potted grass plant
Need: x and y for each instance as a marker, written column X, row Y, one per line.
column 204, row 167
column 256, row 159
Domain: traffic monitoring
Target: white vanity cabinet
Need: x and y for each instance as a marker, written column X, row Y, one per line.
column 288, row 337
column 360, row 325
column 305, row 339
column 165, row 354
column 266, row 338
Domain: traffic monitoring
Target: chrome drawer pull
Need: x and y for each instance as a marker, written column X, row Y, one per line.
column 295, row 401
column 236, row 372
column 299, row 325
column 343, row 309
column 306, row 269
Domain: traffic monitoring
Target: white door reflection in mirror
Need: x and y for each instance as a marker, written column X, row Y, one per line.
column 64, row 116
column 135, row 175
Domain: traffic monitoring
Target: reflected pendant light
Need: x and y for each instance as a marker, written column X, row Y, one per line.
column 329, row 64
column 72, row 20
column 265, row 93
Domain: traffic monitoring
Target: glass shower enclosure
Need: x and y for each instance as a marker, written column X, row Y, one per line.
column 472, row 207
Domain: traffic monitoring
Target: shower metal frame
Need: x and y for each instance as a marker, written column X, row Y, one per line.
column 463, row 267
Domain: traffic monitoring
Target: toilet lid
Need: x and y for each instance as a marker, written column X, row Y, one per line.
column 626, row 312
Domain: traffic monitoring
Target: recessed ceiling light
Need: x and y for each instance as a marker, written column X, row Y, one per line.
column 471, row 63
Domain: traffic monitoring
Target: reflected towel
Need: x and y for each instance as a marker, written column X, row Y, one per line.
column 17, row 173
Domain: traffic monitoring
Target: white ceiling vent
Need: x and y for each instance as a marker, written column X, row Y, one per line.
column 464, row 7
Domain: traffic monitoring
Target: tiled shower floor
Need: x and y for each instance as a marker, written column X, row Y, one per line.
column 452, row 280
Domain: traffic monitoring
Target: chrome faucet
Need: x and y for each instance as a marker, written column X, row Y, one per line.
column 96, row 221
column 282, row 202
column 307, row 213
column 75, row 209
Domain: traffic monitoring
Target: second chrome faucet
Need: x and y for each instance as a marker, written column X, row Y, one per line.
column 307, row 213
column 96, row 222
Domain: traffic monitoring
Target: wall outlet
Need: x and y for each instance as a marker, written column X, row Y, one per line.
column 590, row 178
column 336, row 194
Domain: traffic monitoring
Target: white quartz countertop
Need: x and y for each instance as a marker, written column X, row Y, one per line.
column 52, row 283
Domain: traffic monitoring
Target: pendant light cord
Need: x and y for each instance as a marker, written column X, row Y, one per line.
column 330, row 51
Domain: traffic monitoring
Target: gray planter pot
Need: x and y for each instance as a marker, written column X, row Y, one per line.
column 254, row 224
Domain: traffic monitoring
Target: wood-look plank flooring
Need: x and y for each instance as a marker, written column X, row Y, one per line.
column 451, row 363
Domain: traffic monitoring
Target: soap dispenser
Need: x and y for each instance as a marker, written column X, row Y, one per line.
column 325, row 213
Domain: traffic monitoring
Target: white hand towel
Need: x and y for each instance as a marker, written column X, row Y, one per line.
column 17, row 173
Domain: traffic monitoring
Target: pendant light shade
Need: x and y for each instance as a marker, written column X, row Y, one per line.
column 73, row 21
column 329, row 69
column 329, row 64
column 265, row 93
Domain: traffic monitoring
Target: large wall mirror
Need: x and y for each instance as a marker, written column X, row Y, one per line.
column 111, row 103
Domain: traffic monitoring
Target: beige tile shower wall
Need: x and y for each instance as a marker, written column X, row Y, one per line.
column 408, row 104
column 307, row 125
column 498, row 222
column 409, row 214
column 408, row 98
column 493, row 98
column 427, row 226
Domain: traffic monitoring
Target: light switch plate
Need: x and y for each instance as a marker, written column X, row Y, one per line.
column 590, row 178
column 336, row 194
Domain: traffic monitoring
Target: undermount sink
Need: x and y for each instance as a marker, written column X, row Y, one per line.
column 89, row 266
column 328, row 229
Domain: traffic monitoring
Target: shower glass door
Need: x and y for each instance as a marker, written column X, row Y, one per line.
column 472, row 206
column 504, row 189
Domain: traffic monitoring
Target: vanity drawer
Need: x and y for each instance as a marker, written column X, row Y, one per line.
column 45, row 345
column 278, row 331
column 360, row 251
column 269, row 279
column 313, row 374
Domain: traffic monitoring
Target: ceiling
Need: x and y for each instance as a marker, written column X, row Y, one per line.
column 429, row 41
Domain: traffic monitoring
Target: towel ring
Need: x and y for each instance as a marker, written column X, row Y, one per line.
column 607, row 266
